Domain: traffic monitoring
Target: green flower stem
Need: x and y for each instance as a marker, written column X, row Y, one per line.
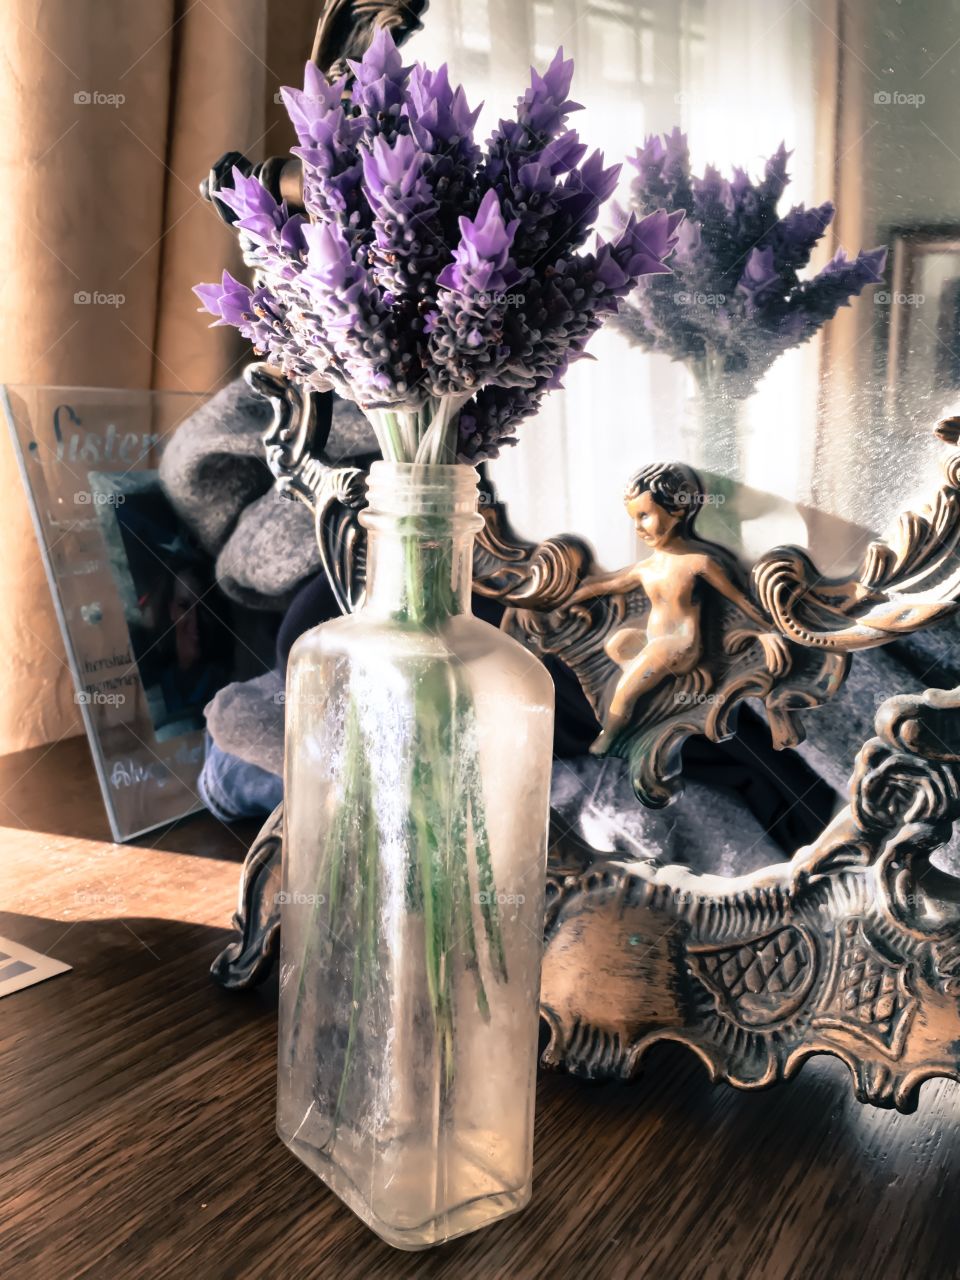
column 333, row 855
column 487, row 895
column 428, row 433
column 366, row 897
column 446, row 815
column 446, row 812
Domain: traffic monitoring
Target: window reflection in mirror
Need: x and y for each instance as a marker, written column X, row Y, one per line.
column 837, row 436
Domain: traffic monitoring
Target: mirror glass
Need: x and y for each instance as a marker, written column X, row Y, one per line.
column 837, row 436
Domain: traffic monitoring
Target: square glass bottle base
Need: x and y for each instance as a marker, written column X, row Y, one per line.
column 408, row 1177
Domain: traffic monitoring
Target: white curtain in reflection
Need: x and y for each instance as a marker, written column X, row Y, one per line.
column 739, row 76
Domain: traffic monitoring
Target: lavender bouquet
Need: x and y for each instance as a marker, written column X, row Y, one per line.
column 735, row 300
column 444, row 288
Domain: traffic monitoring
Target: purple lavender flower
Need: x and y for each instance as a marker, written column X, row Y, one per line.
column 649, row 241
column 482, row 258
column 229, row 300
column 527, row 157
column 735, row 300
column 255, row 312
column 257, row 212
column 380, row 81
column 274, row 237
column 309, row 108
column 544, row 107
column 466, row 332
column 393, row 179
column 663, row 166
column 328, row 138
column 440, row 119
column 353, row 319
column 442, row 123
column 486, row 423
column 760, row 280
column 817, row 300
column 406, row 252
column 427, row 277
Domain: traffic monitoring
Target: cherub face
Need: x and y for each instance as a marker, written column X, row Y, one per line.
column 651, row 521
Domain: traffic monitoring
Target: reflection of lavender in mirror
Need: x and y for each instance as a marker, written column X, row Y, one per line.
column 735, row 300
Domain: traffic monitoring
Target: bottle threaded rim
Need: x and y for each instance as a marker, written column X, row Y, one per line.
column 448, row 490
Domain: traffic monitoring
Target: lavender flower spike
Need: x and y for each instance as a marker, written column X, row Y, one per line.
column 404, row 255
column 465, row 330
column 392, row 175
column 439, row 116
column 381, row 80
column 482, row 256
column 229, row 300
column 257, row 212
column 545, row 106
column 309, row 107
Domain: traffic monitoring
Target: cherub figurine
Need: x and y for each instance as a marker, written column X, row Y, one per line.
column 663, row 501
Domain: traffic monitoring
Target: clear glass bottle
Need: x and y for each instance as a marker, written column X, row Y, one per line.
column 418, row 754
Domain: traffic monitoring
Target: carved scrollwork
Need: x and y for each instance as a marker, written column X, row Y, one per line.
column 340, row 537
column 537, row 576
column 249, row 958
column 294, row 440
column 851, row 949
column 902, row 584
column 346, row 28
column 293, row 445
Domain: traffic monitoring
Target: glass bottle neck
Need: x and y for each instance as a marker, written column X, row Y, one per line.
column 421, row 523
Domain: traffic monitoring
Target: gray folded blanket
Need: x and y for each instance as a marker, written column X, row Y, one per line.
column 214, row 471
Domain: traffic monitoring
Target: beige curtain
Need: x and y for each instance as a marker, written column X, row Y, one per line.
column 111, row 112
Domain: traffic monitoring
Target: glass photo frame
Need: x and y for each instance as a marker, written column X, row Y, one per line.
column 146, row 628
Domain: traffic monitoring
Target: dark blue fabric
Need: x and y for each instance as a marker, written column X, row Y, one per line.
column 231, row 788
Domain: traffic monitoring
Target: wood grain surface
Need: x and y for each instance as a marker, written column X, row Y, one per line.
column 137, row 1128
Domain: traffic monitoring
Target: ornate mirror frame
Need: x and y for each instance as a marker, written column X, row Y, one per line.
column 852, row 947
